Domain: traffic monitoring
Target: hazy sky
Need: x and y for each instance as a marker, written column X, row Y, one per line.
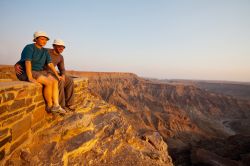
column 185, row 39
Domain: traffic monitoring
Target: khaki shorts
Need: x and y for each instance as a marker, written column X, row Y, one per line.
column 37, row 74
column 53, row 74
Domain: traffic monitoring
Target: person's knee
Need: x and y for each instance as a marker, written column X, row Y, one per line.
column 69, row 81
column 61, row 83
column 53, row 81
column 44, row 80
column 47, row 82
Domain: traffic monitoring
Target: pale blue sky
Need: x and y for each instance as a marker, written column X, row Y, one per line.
column 185, row 39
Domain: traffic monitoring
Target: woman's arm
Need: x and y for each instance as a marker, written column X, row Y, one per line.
column 28, row 71
column 52, row 67
column 18, row 69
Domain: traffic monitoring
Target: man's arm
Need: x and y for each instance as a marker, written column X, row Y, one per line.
column 61, row 68
column 63, row 77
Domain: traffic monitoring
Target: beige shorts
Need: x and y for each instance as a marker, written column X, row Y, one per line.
column 37, row 74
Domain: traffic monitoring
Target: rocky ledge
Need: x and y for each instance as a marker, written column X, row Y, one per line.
column 97, row 133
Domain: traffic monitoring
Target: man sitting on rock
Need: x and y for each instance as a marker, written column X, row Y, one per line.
column 66, row 85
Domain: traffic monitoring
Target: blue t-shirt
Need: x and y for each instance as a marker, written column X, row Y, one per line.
column 38, row 57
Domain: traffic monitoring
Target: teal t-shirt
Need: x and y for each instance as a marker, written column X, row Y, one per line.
column 38, row 57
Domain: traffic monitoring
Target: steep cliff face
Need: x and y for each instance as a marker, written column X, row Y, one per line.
column 98, row 133
column 184, row 115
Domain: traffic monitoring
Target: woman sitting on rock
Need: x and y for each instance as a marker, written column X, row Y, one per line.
column 33, row 60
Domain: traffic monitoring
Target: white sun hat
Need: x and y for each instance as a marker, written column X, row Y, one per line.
column 40, row 33
column 59, row 42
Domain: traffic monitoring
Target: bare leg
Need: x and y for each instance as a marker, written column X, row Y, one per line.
column 55, row 92
column 47, row 92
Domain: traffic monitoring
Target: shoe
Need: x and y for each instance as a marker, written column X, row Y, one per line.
column 71, row 108
column 58, row 109
column 48, row 109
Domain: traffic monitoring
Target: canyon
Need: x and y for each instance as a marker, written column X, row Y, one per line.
column 128, row 120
